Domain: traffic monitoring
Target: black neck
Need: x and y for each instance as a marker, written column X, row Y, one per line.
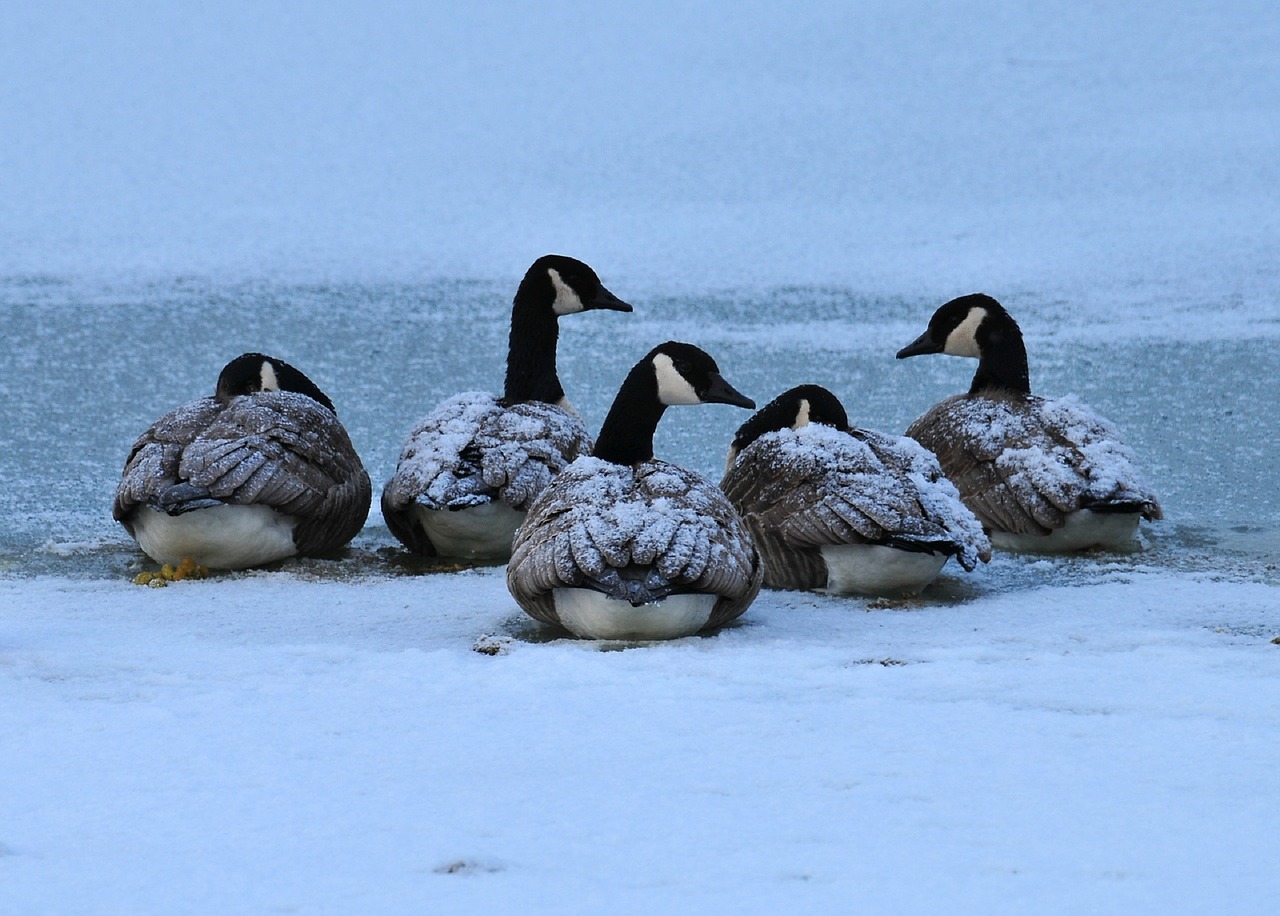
column 531, row 348
column 1003, row 363
column 627, row 434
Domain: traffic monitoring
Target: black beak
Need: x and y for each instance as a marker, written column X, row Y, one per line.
column 607, row 300
column 920, row 346
column 721, row 392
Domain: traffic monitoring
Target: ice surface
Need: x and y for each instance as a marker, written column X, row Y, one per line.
column 359, row 188
column 1114, row 156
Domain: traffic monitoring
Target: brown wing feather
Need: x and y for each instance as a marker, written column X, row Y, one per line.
column 815, row 487
column 968, row 440
column 472, row 450
column 277, row 449
column 597, row 517
column 770, row 495
column 1022, row 464
column 152, row 465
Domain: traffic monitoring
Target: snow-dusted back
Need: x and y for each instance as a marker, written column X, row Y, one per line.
column 472, row 449
column 277, row 449
column 817, row 486
column 599, row 517
column 1022, row 463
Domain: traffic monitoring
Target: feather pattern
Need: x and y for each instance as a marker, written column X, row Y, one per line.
column 472, row 450
column 278, row 449
column 1024, row 463
column 816, row 486
column 637, row 533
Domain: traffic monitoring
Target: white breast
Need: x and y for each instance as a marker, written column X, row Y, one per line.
column 481, row 532
column 873, row 569
column 590, row 615
column 220, row 537
column 1082, row 529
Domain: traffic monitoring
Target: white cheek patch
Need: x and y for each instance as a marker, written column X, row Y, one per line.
column 567, row 407
column 730, row 459
column 673, row 388
column 268, row 378
column 963, row 341
column 567, row 301
column 802, row 415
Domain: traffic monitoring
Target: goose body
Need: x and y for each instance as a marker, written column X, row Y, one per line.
column 469, row 470
column 849, row 511
column 468, row 473
column 261, row 471
column 1041, row 474
column 622, row 545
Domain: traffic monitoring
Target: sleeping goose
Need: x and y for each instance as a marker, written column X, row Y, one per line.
column 1040, row 474
column 622, row 545
column 470, row 469
column 261, row 471
column 841, row 509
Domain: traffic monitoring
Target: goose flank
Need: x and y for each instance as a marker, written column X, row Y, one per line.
column 843, row 509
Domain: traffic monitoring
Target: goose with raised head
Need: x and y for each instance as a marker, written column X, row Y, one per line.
column 1046, row 475
column 260, row 471
column 845, row 510
column 469, row 471
column 623, row 545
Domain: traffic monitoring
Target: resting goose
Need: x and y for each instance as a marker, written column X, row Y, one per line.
column 847, row 510
column 622, row 545
column 470, row 469
column 261, row 471
column 1041, row 475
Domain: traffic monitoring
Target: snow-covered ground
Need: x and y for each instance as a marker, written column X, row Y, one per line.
column 275, row 744
column 358, row 189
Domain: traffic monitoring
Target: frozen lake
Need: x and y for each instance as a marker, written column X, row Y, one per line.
column 90, row 366
column 1010, row 732
column 361, row 736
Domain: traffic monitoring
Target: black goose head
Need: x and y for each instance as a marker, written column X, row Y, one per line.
column 977, row 326
column 672, row 373
column 792, row 409
column 250, row 373
column 568, row 286
column 553, row 286
column 685, row 374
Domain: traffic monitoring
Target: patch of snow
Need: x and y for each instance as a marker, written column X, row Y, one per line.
column 1072, row 747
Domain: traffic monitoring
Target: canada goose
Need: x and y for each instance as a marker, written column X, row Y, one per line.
column 470, row 469
column 261, row 471
column 622, row 545
column 1040, row 474
column 841, row 509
